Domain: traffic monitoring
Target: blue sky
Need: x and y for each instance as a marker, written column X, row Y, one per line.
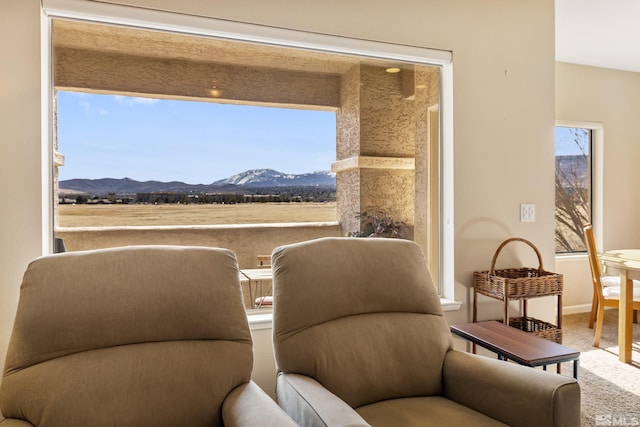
column 566, row 143
column 107, row 136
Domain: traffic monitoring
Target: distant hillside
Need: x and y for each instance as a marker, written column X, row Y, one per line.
column 128, row 186
column 245, row 182
column 574, row 169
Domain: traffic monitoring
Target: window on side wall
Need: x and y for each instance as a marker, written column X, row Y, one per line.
column 574, row 189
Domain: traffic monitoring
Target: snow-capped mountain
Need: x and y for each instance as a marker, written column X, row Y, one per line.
column 272, row 178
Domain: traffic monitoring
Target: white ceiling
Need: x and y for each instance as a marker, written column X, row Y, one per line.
column 601, row 33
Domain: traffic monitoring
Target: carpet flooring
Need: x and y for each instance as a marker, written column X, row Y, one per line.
column 610, row 389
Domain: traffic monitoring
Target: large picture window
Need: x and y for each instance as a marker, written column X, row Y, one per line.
column 385, row 101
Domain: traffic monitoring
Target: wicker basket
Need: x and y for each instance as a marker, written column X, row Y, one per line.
column 514, row 283
column 537, row 327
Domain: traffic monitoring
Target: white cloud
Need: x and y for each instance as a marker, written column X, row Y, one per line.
column 130, row 101
column 86, row 107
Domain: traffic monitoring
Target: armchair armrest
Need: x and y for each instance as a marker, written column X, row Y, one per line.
column 312, row 405
column 249, row 405
column 516, row 395
column 13, row 422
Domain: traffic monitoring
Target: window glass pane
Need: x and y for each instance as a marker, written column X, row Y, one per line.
column 573, row 187
column 133, row 161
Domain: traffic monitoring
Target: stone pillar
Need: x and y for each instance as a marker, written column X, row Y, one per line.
column 388, row 135
column 381, row 122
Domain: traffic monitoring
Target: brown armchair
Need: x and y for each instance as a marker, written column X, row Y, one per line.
column 135, row 336
column 360, row 339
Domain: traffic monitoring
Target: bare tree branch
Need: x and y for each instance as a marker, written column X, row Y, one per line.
column 572, row 186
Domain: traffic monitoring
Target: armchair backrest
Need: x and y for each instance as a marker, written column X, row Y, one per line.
column 361, row 316
column 134, row 336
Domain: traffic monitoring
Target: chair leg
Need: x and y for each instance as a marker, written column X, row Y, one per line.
column 635, row 316
column 594, row 307
column 599, row 322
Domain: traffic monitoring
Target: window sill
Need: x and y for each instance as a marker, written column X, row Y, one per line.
column 264, row 320
column 260, row 320
column 571, row 256
column 450, row 305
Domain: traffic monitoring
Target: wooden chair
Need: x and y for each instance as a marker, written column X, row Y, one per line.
column 264, row 301
column 607, row 294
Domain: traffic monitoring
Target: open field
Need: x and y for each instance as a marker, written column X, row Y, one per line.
column 180, row 214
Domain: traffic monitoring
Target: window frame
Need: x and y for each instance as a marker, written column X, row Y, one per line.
column 597, row 165
column 232, row 30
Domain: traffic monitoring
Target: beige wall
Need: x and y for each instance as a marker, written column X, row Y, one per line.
column 246, row 241
column 20, row 173
column 591, row 94
column 503, row 108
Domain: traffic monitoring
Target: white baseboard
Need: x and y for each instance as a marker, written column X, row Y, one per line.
column 573, row 309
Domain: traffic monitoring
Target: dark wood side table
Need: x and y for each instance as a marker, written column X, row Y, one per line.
column 513, row 344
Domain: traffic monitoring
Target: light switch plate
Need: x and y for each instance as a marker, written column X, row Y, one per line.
column 527, row 212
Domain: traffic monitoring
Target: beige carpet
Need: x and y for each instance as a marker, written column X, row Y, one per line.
column 610, row 389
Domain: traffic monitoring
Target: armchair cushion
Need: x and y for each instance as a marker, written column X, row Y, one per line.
column 375, row 367
column 424, row 411
column 311, row 404
column 129, row 383
column 15, row 423
column 615, row 281
column 613, row 292
column 350, row 294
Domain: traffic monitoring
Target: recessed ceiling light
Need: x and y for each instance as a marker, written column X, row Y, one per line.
column 392, row 70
